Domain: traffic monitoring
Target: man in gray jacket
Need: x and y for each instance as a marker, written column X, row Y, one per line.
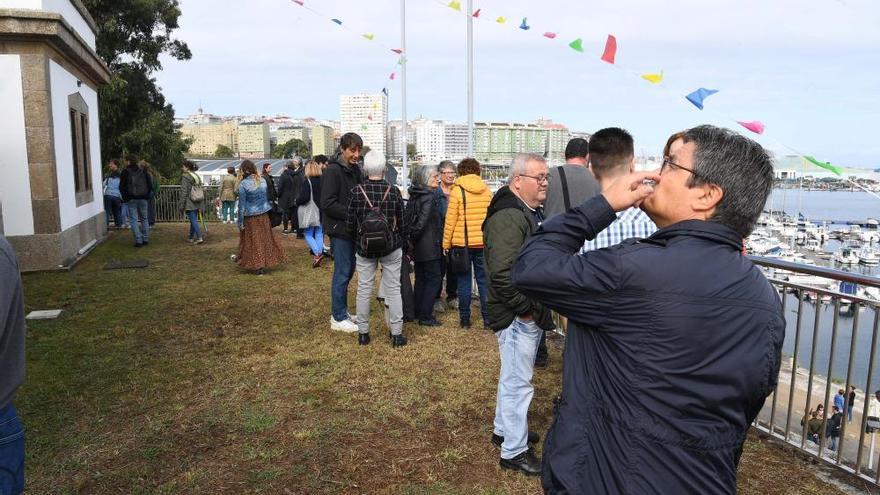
column 571, row 184
column 12, row 332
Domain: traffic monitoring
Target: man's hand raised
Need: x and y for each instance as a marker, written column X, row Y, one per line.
column 630, row 190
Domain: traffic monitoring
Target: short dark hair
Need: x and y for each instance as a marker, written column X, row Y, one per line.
column 131, row 158
column 114, row 161
column 577, row 148
column 350, row 140
column 266, row 165
column 469, row 166
column 321, row 159
column 190, row 165
column 610, row 148
column 673, row 138
column 740, row 167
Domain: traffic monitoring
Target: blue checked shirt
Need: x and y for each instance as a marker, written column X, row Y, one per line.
column 630, row 223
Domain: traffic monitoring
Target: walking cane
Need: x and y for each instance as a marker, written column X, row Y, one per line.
column 204, row 222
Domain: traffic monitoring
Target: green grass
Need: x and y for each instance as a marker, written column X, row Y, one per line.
column 191, row 376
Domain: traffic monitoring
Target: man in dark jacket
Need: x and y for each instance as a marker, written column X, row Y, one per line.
column 287, row 195
column 135, row 184
column 673, row 341
column 513, row 214
column 339, row 178
column 12, row 334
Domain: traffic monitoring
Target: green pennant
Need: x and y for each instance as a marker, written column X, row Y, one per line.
column 825, row 165
column 577, row 45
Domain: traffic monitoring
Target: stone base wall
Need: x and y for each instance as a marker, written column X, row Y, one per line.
column 57, row 251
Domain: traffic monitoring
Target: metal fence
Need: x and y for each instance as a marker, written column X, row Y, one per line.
column 168, row 197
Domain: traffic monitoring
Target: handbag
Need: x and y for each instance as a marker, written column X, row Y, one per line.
column 308, row 214
column 457, row 259
column 197, row 192
column 275, row 216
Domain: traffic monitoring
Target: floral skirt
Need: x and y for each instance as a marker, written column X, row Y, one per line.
column 257, row 245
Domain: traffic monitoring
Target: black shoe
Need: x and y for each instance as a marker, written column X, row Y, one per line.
column 464, row 322
column 541, row 360
column 407, row 319
column 145, row 243
column 398, row 340
column 525, row 462
column 139, row 244
column 497, row 440
column 429, row 323
column 363, row 338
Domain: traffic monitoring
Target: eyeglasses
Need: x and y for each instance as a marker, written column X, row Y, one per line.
column 667, row 161
column 538, row 178
column 448, row 172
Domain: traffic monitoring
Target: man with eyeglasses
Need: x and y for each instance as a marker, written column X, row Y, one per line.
column 518, row 321
column 447, row 178
column 674, row 341
column 612, row 155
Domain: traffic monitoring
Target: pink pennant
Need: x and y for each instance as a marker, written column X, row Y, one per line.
column 299, row 2
column 477, row 13
column 370, row 117
column 610, row 49
column 550, row 35
column 392, row 76
column 755, row 126
column 397, row 51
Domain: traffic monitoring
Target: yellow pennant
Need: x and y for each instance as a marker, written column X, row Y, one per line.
column 369, row 36
column 501, row 20
column 653, row 78
column 455, row 4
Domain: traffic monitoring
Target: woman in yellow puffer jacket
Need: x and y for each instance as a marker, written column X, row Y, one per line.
column 473, row 209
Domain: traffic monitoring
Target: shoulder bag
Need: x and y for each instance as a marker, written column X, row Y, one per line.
column 457, row 259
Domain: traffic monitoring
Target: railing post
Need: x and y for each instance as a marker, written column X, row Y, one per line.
column 794, row 366
column 849, row 367
column 867, row 393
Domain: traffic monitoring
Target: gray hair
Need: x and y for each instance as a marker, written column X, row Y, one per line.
column 740, row 167
column 423, row 174
column 374, row 167
column 294, row 162
column 520, row 163
column 446, row 165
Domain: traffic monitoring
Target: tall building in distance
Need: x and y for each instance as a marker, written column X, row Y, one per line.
column 253, row 140
column 455, row 141
column 285, row 134
column 498, row 142
column 206, row 137
column 366, row 115
column 558, row 137
column 395, row 138
column 322, row 140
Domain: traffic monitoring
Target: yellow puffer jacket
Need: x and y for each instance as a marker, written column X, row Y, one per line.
column 478, row 197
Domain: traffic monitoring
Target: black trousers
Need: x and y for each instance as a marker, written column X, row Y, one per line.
column 451, row 283
column 429, row 281
column 406, row 290
column 289, row 216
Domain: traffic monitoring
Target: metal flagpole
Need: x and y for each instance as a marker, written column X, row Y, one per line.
column 470, row 77
column 403, row 182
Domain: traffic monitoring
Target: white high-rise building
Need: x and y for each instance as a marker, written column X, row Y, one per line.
column 430, row 140
column 366, row 115
column 395, row 138
column 455, row 141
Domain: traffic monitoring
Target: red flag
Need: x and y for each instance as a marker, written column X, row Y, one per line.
column 397, row 51
column 610, row 49
column 477, row 13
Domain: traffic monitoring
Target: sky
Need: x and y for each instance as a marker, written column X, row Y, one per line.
column 808, row 69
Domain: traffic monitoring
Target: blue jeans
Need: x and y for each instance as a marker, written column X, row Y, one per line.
column 113, row 206
column 228, row 208
column 137, row 213
column 315, row 239
column 194, row 231
column 429, row 280
column 464, row 287
column 343, row 270
column 517, row 345
column 11, row 452
column 124, row 211
column 832, row 445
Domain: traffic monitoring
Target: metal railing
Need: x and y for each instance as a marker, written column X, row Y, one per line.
column 167, row 199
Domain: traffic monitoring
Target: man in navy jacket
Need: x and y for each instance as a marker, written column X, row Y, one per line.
column 674, row 341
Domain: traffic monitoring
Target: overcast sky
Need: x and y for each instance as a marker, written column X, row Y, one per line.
column 808, row 69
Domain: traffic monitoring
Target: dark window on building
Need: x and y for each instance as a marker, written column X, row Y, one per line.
column 79, row 140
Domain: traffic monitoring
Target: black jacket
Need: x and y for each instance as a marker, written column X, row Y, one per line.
column 673, row 344
column 306, row 193
column 509, row 222
column 271, row 192
column 125, row 183
column 425, row 227
column 287, row 191
column 337, row 182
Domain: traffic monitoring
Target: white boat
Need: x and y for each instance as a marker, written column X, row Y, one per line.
column 868, row 256
column 846, row 256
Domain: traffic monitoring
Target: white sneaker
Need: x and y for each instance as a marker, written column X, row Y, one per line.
column 352, row 318
column 347, row 326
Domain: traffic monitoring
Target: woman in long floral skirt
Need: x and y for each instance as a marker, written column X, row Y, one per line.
column 257, row 247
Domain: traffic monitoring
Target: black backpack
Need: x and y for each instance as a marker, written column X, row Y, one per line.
column 375, row 236
column 137, row 183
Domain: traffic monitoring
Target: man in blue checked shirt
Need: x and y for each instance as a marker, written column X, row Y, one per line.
column 611, row 157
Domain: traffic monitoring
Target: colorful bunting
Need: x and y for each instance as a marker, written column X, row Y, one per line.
column 401, row 61
column 501, row 20
column 577, row 45
column 550, row 35
column 610, row 49
column 370, row 116
column 392, row 76
column 455, row 5
column 653, row 78
column 397, row 51
column 825, row 165
column 699, row 95
column 364, row 127
column 477, row 13
column 337, row 21
column 385, row 91
column 298, row 2
column 755, row 126
column 369, row 36
column 524, row 26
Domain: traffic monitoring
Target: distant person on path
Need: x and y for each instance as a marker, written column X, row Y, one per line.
column 425, row 236
column 310, row 213
column 814, row 427
column 271, row 191
column 192, row 199
column 463, row 228
column 447, row 178
column 518, row 321
column 287, row 194
column 154, row 190
column 375, row 215
column 571, row 184
column 674, row 342
column 136, row 185
column 832, row 427
column 257, row 248
column 12, row 371
column 840, row 400
column 112, row 195
column 227, row 196
column 340, row 177
column 850, row 405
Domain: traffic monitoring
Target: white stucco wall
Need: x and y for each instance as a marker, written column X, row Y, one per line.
column 63, row 84
column 63, row 7
column 15, row 187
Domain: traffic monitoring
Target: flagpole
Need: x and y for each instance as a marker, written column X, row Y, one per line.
column 403, row 91
column 470, row 77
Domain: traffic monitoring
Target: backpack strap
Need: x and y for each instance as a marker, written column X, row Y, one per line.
column 565, row 198
column 369, row 203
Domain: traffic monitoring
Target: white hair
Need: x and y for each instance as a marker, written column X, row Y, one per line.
column 374, row 164
column 520, row 163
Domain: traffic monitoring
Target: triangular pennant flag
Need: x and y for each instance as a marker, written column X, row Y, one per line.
column 477, row 13
column 375, row 106
column 699, row 95
column 653, row 78
column 364, row 127
column 550, row 35
column 825, row 165
column 298, row 2
column 610, row 49
column 337, row 21
column 524, row 26
column 501, row 20
column 370, row 117
column 392, row 76
column 402, row 61
column 369, row 36
column 577, row 45
column 397, row 51
column 385, row 91
column 455, row 5
column 755, row 126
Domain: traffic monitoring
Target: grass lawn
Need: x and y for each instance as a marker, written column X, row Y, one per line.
column 191, row 376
